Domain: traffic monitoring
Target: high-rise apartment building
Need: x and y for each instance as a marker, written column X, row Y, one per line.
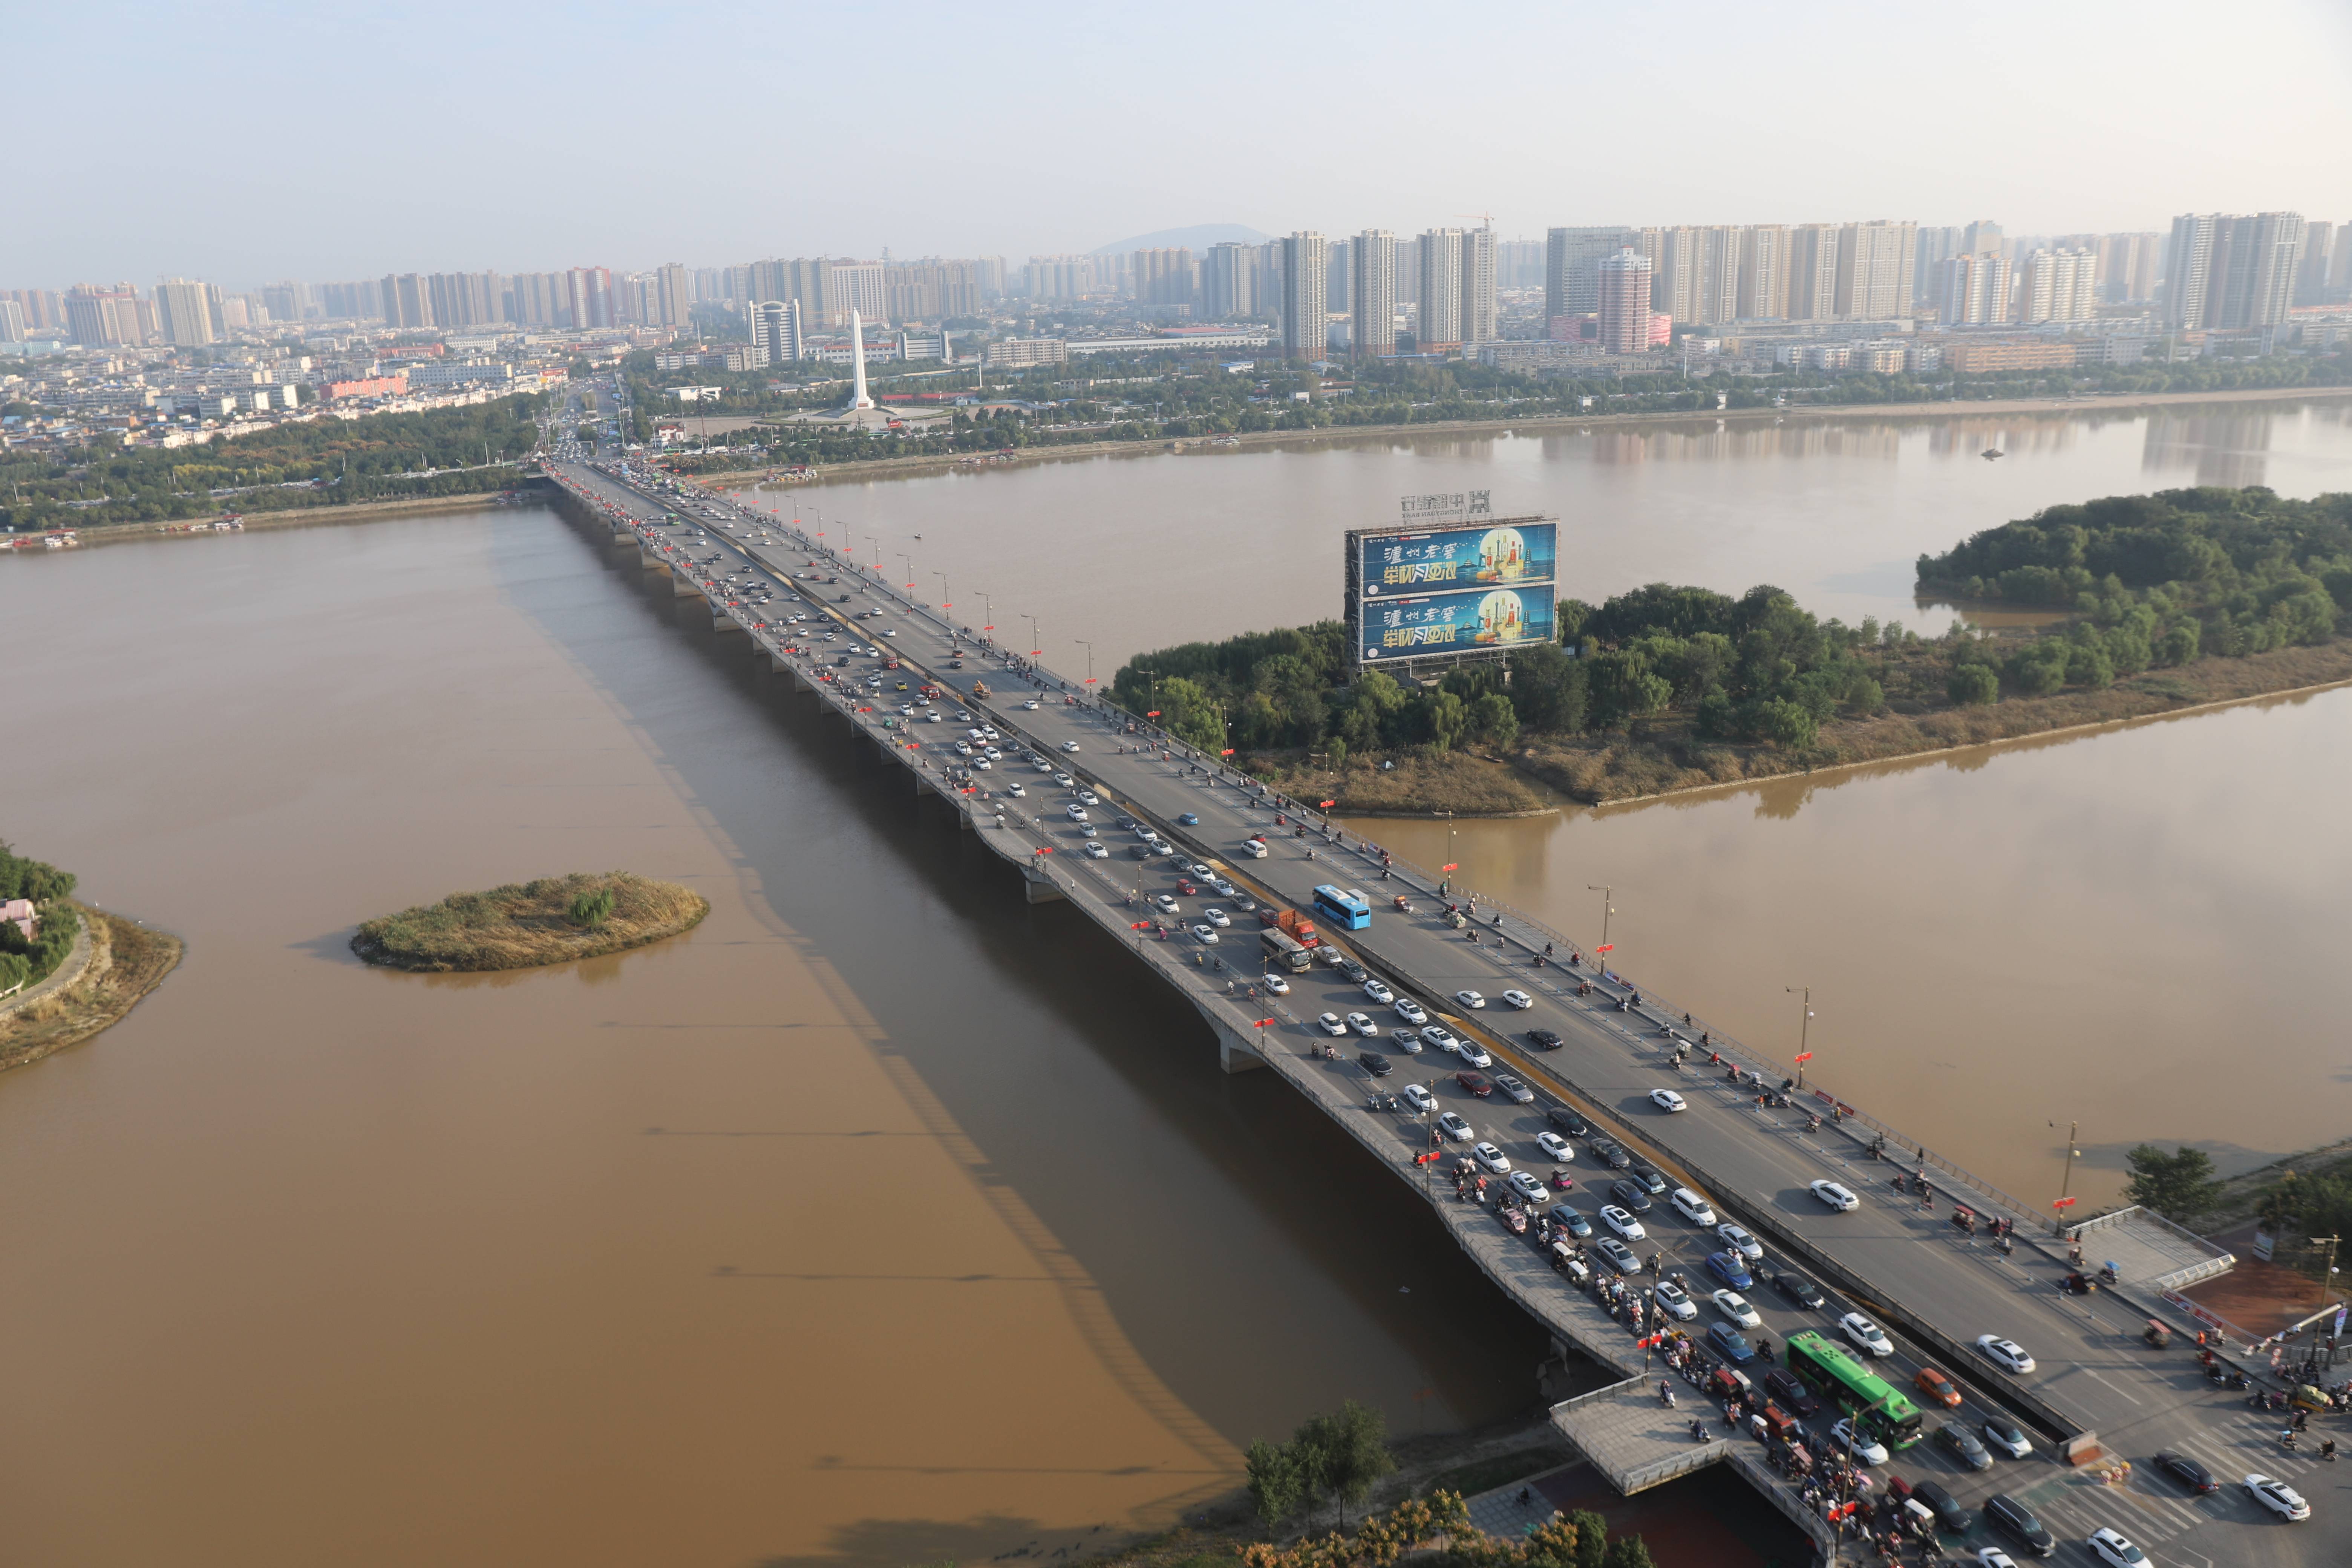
column 1971, row 290
column 1519, row 264
column 1572, row 259
column 1983, row 237
column 1228, row 280
column 674, row 303
column 2229, row 272
column 1813, row 272
column 589, row 298
column 1624, row 302
column 1874, row 267
column 1371, row 291
column 287, row 302
column 1478, row 312
column 2312, row 268
column 2059, row 286
column 2339, row 270
column 1305, row 283
column 407, row 302
column 2127, row 264
column 857, row 286
column 1694, row 271
column 11, row 321
column 1438, row 326
column 1763, row 291
column 182, row 314
column 1935, row 246
column 1163, row 275
column 103, row 318
column 776, row 332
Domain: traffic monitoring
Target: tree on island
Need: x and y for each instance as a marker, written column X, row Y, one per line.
column 2178, row 1185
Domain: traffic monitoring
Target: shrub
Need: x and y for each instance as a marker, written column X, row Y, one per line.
column 1973, row 685
column 593, row 910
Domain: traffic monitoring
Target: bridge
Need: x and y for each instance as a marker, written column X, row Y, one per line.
column 2099, row 1394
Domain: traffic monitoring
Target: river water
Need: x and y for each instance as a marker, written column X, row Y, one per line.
column 884, row 1218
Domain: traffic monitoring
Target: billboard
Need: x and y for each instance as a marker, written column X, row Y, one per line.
column 1484, row 619
column 1508, row 553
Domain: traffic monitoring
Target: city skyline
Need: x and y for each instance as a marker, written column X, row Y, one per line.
column 978, row 165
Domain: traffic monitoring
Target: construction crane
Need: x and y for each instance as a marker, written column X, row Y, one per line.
column 1486, row 218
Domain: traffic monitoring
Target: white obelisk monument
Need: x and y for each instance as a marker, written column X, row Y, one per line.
column 857, row 398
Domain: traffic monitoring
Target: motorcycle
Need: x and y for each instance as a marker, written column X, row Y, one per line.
column 1813, row 1124
column 1666, row 1393
column 1698, row 1431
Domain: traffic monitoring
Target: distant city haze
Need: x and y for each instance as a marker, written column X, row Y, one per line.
column 264, row 141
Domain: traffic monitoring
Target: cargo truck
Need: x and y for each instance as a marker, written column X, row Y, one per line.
column 1291, row 923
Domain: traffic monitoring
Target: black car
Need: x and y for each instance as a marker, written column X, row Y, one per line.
column 1568, row 1122
column 1630, row 1196
column 1792, row 1396
column 1379, row 1066
column 955, row 664
column 2188, row 1472
column 1962, row 1445
column 1609, row 1152
column 1543, row 1040
column 2014, row 1519
column 1950, row 1517
column 1801, row 1290
column 1652, row 1181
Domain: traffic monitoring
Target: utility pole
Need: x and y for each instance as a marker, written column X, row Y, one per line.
column 1035, row 652
column 1600, row 953
column 1804, row 1033
column 1089, row 647
column 2066, row 1179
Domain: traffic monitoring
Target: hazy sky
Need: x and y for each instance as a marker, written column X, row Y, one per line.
column 244, row 142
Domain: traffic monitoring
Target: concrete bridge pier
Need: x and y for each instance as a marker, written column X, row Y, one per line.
column 721, row 621
column 1236, row 1052
column 1040, row 889
column 651, row 562
column 683, row 586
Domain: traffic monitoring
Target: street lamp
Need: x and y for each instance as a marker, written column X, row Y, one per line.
column 1089, row 647
column 910, row 570
column 1607, row 908
column 876, row 567
column 1035, row 652
column 945, row 604
column 1804, row 1031
column 2066, row 1179
column 988, row 612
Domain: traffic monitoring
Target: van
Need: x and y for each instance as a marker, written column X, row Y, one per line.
column 1692, row 1206
column 2014, row 1519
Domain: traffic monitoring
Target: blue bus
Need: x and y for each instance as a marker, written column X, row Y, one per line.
column 1344, row 907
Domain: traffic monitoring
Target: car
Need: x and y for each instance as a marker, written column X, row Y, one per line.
column 1515, row 1092
column 1677, row 1301
column 1362, row 1025
column 1470, row 999
column 1419, row 1098
column 1801, row 1290
column 1198, row 870
column 1069, row 745
column 2014, row 1519
column 1276, row 985
column 1491, row 1158
column 1074, row 812
column 1205, row 934
column 1935, row 1388
column 1543, row 1040
column 1028, row 707
column 1379, row 993
column 1015, row 790
column 2115, row 1549
column 1737, row 1308
column 1691, row 1206
column 1837, row 1198
column 1089, row 797
column 1439, row 1036
column 1331, row 1023
column 1561, row 1182
column 1864, row 1335
column 1454, row 1127
column 2188, row 1472
column 1188, row 819
column 1474, row 1053
column 1737, row 1239
column 1406, row 1041
column 2007, row 1354
column 2002, row 1433
column 1568, row 1120
column 1096, row 852
column 1611, row 1152
column 1789, row 1392
column 1667, row 1101
column 1064, row 781
column 1529, row 1188
column 1647, row 1177
column 1624, row 1224
column 1165, row 903
column 1477, row 1082
column 1519, row 999
column 1731, row 1269
column 1867, row 1448
column 1375, row 1064
column 1555, row 1147
column 1730, row 1343
column 1572, row 1221
column 1255, row 848
column 1411, row 1011
column 2278, row 1497
column 1961, row 1443
column 1217, row 918
column 1630, row 1195
column 1620, row 1256
column 1949, row 1515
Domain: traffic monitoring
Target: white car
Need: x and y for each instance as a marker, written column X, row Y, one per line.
column 1379, row 993
column 1363, row 1025
column 1015, row 790
column 1993, row 1557
column 1096, row 852
column 1623, row 1223
column 1437, row 1035
column 1677, row 1301
column 1474, row 1053
column 2278, row 1497
column 1064, row 780
column 1411, row 1011
column 1217, row 918
column 1254, row 848
column 1331, row 1023
column 1867, row 1448
column 1667, row 1099
column 1030, row 706
column 1418, row 1096
column 1737, row 1307
column 1866, row 1336
column 1528, row 1187
column 1838, row 1199
column 1470, row 999
column 1276, row 985
column 1074, row 812
column 1166, row 904
column 1691, row 1206
column 2115, row 1549
column 1737, row 1240
column 1203, row 872
column 1454, row 1127
column 1557, row 1148
column 1089, row 797
column 2007, row 1354
column 1492, row 1158
column 1519, row 999
column 1069, row 745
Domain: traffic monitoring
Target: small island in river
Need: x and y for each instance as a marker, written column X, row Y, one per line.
column 553, row 919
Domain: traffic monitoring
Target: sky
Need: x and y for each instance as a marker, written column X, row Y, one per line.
column 245, row 142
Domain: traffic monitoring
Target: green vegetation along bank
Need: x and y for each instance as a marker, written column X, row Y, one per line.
column 126, row 962
column 2159, row 602
column 553, row 919
column 43, row 895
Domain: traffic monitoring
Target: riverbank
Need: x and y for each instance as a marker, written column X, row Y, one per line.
column 126, row 962
column 1457, row 783
column 1662, row 757
column 917, row 468
column 286, row 517
column 526, row 925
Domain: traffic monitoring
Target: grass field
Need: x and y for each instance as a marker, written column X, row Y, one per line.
column 525, row 924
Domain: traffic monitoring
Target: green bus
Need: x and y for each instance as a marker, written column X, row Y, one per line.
column 1876, row 1406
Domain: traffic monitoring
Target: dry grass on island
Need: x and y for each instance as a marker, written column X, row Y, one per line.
column 126, row 962
column 554, row 920
column 1420, row 783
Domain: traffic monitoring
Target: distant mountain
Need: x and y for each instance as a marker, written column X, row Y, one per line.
column 1200, row 236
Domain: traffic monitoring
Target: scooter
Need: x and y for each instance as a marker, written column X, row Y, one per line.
column 1698, row 1430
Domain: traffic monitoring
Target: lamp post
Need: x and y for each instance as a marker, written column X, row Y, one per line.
column 945, row 603
column 1804, row 1032
column 2066, row 1177
column 1600, row 953
column 876, row 567
column 988, row 612
column 910, row 570
column 1035, row 652
column 1089, row 647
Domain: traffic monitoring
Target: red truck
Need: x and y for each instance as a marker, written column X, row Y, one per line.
column 1291, row 923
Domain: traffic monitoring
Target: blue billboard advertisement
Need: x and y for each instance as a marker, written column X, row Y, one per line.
column 1468, row 620
column 1508, row 554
